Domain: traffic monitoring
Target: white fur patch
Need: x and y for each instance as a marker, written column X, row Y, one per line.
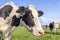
column 56, row 24
column 35, row 15
column 37, row 26
column 15, row 8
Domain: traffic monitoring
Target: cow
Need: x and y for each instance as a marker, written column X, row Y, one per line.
column 31, row 20
column 51, row 27
column 46, row 26
column 54, row 25
column 27, row 16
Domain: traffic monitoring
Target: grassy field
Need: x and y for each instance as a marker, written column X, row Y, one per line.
column 21, row 33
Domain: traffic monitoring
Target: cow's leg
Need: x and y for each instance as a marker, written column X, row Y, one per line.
column 54, row 30
column 51, row 30
column 1, row 36
column 8, row 37
column 9, row 34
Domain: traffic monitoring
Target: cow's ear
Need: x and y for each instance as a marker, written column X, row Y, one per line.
column 21, row 9
column 40, row 13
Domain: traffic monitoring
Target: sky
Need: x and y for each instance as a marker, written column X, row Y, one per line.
column 51, row 8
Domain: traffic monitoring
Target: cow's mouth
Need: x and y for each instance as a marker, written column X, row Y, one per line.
column 38, row 32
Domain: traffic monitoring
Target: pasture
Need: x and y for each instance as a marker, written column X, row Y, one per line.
column 21, row 33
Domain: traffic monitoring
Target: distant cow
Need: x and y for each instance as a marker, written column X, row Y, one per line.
column 51, row 26
column 46, row 26
column 15, row 15
column 54, row 25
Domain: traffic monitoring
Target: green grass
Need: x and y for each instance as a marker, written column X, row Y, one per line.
column 21, row 33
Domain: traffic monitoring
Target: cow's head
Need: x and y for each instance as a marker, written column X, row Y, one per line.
column 30, row 20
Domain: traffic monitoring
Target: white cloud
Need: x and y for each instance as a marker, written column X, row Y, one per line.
column 43, row 19
column 51, row 19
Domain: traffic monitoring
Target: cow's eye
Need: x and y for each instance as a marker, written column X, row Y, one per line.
column 30, row 11
column 32, row 16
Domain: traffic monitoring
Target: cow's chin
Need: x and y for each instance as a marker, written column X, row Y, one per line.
column 35, row 31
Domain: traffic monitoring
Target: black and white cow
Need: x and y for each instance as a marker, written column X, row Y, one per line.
column 15, row 15
column 54, row 25
column 31, row 21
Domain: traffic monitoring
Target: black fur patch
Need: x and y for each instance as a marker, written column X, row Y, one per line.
column 15, row 21
column 5, row 11
column 28, row 18
column 21, row 10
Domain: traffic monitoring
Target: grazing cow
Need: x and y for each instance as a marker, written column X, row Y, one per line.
column 54, row 25
column 46, row 26
column 31, row 21
column 14, row 15
column 51, row 27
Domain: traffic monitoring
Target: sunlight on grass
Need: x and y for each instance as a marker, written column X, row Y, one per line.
column 21, row 33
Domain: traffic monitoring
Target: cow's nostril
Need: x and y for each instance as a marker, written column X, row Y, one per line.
column 38, row 33
column 41, row 32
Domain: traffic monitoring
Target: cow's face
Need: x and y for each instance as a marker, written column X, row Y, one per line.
column 31, row 21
